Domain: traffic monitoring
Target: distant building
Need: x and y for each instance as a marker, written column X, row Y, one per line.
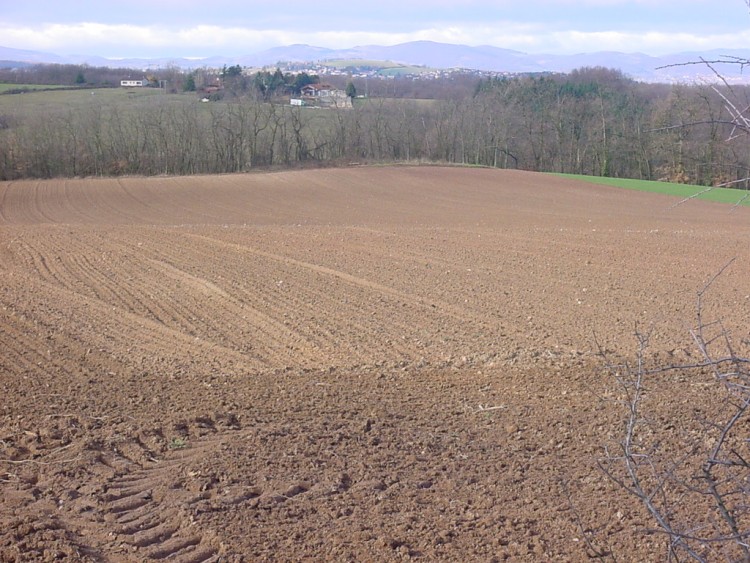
column 325, row 96
column 134, row 83
column 317, row 90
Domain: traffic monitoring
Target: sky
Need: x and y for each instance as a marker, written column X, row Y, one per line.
column 203, row 28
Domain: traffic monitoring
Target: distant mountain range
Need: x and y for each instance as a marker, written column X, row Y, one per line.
column 433, row 55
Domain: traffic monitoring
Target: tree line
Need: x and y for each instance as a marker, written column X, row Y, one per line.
column 592, row 121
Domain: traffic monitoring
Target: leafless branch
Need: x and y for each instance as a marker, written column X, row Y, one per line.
column 724, row 59
column 741, row 200
column 690, row 124
column 595, row 552
column 710, row 471
column 697, row 194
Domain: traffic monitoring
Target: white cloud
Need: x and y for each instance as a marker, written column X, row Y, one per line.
column 130, row 40
column 652, row 42
column 113, row 40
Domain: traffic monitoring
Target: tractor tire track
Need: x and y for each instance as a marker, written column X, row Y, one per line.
column 145, row 512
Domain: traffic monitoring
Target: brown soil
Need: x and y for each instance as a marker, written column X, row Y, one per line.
column 360, row 364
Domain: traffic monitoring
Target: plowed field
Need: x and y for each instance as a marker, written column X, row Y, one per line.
column 360, row 364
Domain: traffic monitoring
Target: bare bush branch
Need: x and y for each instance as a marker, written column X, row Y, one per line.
column 694, row 485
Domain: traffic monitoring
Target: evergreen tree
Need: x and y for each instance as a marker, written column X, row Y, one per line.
column 351, row 90
column 189, row 83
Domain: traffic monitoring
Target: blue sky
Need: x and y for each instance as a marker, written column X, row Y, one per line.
column 177, row 28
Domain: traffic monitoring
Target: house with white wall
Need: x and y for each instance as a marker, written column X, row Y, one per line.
column 134, row 83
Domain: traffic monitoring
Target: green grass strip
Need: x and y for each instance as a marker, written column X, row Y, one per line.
column 5, row 86
column 720, row 195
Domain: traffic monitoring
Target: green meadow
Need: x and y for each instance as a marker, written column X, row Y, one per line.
column 7, row 87
column 384, row 68
column 721, row 195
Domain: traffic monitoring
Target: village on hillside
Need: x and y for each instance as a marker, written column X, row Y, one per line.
column 322, row 84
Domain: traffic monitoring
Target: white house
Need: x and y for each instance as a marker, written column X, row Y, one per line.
column 133, row 83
